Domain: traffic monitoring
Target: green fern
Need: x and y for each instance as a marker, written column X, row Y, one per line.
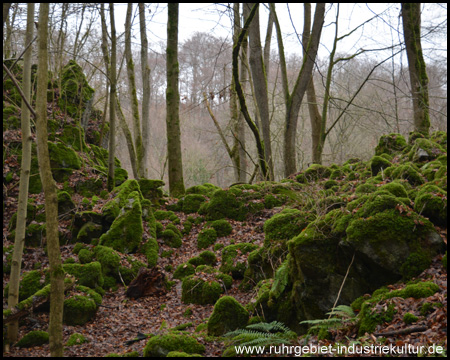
column 262, row 334
column 340, row 316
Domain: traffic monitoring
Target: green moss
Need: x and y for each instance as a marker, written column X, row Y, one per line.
column 205, row 189
column 407, row 171
column 31, row 283
column 33, row 338
column 88, row 274
column 378, row 163
column 192, row 202
column 233, row 260
column 415, row 264
column 183, row 270
column 224, row 204
column 166, row 215
column 425, row 150
column 108, row 258
column 285, row 225
column 222, row 227
column 125, row 234
column 431, row 201
column 79, row 309
column 206, row 238
column 204, row 258
column 370, row 316
column 316, row 171
column 171, row 238
column 161, row 345
column 76, row 339
column 396, row 188
column 195, row 290
column 390, row 144
column 85, row 256
column 228, row 315
column 409, row 318
column 178, row 354
column 151, row 251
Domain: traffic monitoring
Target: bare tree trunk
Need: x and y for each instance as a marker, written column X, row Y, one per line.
column 6, row 7
column 294, row 100
column 145, row 91
column 314, row 113
column 49, row 186
column 416, row 63
column 112, row 96
column 176, row 182
column 241, row 96
column 16, row 262
column 132, row 92
column 260, row 84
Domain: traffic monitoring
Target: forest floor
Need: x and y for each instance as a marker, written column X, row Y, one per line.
column 120, row 318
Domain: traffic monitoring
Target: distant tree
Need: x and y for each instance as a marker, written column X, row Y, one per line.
column 416, row 64
column 14, row 280
column 49, row 186
column 176, row 182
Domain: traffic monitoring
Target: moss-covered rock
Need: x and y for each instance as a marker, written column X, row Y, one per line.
column 204, row 258
column 223, row 204
column 206, row 189
column 222, row 227
column 151, row 190
column 378, row 163
column 89, row 275
column 171, row 238
column 234, row 259
column 76, row 339
column 317, row 171
column 75, row 92
column 88, row 232
column 151, row 251
column 390, row 144
column 85, row 256
column 425, row 150
column 33, row 338
column 285, row 225
column 183, row 270
column 431, row 201
column 228, row 315
column 109, row 260
column 162, row 345
column 125, row 234
column 191, row 203
column 206, row 238
column 79, row 309
column 396, row 188
column 407, row 171
column 197, row 290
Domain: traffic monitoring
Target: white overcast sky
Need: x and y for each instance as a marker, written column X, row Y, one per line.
column 385, row 30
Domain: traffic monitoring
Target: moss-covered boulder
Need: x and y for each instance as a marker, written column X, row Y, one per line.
column 88, row 232
column 65, row 203
column 391, row 144
column 183, row 270
column 224, row 204
column 162, row 345
column 317, row 171
column 204, row 258
column 33, row 338
column 151, row 190
column 378, row 163
column 89, row 275
column 75, row 92
column 425, row 150
column 228, row 315
column 234, row 259
column 62, row 160
column 79, row 309
column 206, row 189
column 76, row 339
column 109, row 259
column 125, row 234
column 201, row 288
column 431, row 201
column 191, row 203
column 206, row 238
column 222, row 227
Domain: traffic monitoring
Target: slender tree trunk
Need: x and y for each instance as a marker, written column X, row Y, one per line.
column 14, row 281
column 6, row 7
column 145, row 91
column 176, row 182
column 49, row 186
column 294, row 100
column 314, row 113
column 417, row 69
column 133, row 95
column 241, row 96
column 112, row 95
column 260, row 85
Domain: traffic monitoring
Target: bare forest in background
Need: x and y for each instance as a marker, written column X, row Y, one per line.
column 383, row 105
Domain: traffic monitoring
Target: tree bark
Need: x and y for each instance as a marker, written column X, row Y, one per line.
column 416, row 64
column 112, row 96
column 145, row 91
column 260, row 84
column 293, row 101
column 14, row 281
column 133, row 96
column 176, row 182
column 49, row 186
column 241, row 97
